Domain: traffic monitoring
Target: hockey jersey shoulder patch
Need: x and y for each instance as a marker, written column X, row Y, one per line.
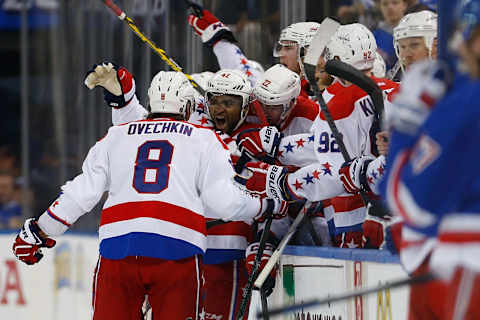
column 425, row 152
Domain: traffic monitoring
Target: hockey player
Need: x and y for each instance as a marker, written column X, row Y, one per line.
column 216, row 35
column 415, row 38
column 317, row 153
column 427, row 180
column 278, row 93
column 291, row 47
column 152, row 227
column 228, row 94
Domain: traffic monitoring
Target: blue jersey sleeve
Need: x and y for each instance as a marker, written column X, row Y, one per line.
column 432, row 174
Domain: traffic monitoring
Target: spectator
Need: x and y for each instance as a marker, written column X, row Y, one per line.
column 392, row 12
column 10, row 210
column 363, row 11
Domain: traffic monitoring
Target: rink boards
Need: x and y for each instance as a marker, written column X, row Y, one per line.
column 59, row 287
column 308, row 273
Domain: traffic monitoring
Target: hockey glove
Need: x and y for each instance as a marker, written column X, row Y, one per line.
column 250, row 255
column 210, row 29
column 277, row 208
column 353, row 174
column 29, row 241
column 117, row 82
column 265, row 181
column 261, row 144
column 375, row 231
column 422, row 86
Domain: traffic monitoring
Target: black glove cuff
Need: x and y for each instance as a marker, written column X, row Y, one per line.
column 114, row 101
column 363, row 177
column 221, row 35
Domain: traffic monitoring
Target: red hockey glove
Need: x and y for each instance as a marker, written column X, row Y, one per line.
column 278, row 209
column 29, row 241
column 261, row 144
column 375, row 231
column 266, row 181
column 353, row 174
column 423, row 85
column 210, row 29
column 393, row 237
column 250, row 255
column 117, row 82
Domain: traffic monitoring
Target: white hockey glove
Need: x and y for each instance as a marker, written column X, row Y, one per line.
column 117, row 82
column 423, row 85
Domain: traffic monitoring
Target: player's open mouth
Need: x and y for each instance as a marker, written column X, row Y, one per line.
column 220, row 121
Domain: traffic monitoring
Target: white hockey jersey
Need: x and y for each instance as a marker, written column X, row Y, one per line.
column 320, row 158
column 161, row 177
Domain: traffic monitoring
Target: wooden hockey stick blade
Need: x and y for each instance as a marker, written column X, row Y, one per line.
column 347, row 72
column 356, row 293
column 326, row 30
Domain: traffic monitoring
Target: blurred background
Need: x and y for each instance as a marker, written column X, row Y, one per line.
column 50, row 119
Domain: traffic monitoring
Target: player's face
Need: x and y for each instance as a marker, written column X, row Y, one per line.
column 288, row 55
column 393, row 10
column 321, row 76
column 273, row 113
column 225, row 111
column 412, row 50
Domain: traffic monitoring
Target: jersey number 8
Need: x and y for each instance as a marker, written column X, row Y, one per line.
column 152, row 167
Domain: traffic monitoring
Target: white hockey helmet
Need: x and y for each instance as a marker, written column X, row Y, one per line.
column 379, row 67
column 301, row 33
column 202, row 78
column 278, row 86
column 170, row 92
column 418, row 24
column 231, row 82
column 353, row 44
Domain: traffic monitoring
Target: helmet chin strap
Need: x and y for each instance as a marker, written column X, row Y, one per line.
column 300, row 63
column 243, row 116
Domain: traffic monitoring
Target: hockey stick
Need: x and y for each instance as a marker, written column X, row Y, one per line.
column 394, row 70
column 131, row 24
column 358, row 78
column 263, row 298
column 308, row 208
column 346, row 72
column 356, row 293
column 247, row 291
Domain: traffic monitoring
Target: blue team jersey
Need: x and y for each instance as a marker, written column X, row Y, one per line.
column 432, row 181
column 385, row 47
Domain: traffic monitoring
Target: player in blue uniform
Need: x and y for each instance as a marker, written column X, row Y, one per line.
column 429, row 179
